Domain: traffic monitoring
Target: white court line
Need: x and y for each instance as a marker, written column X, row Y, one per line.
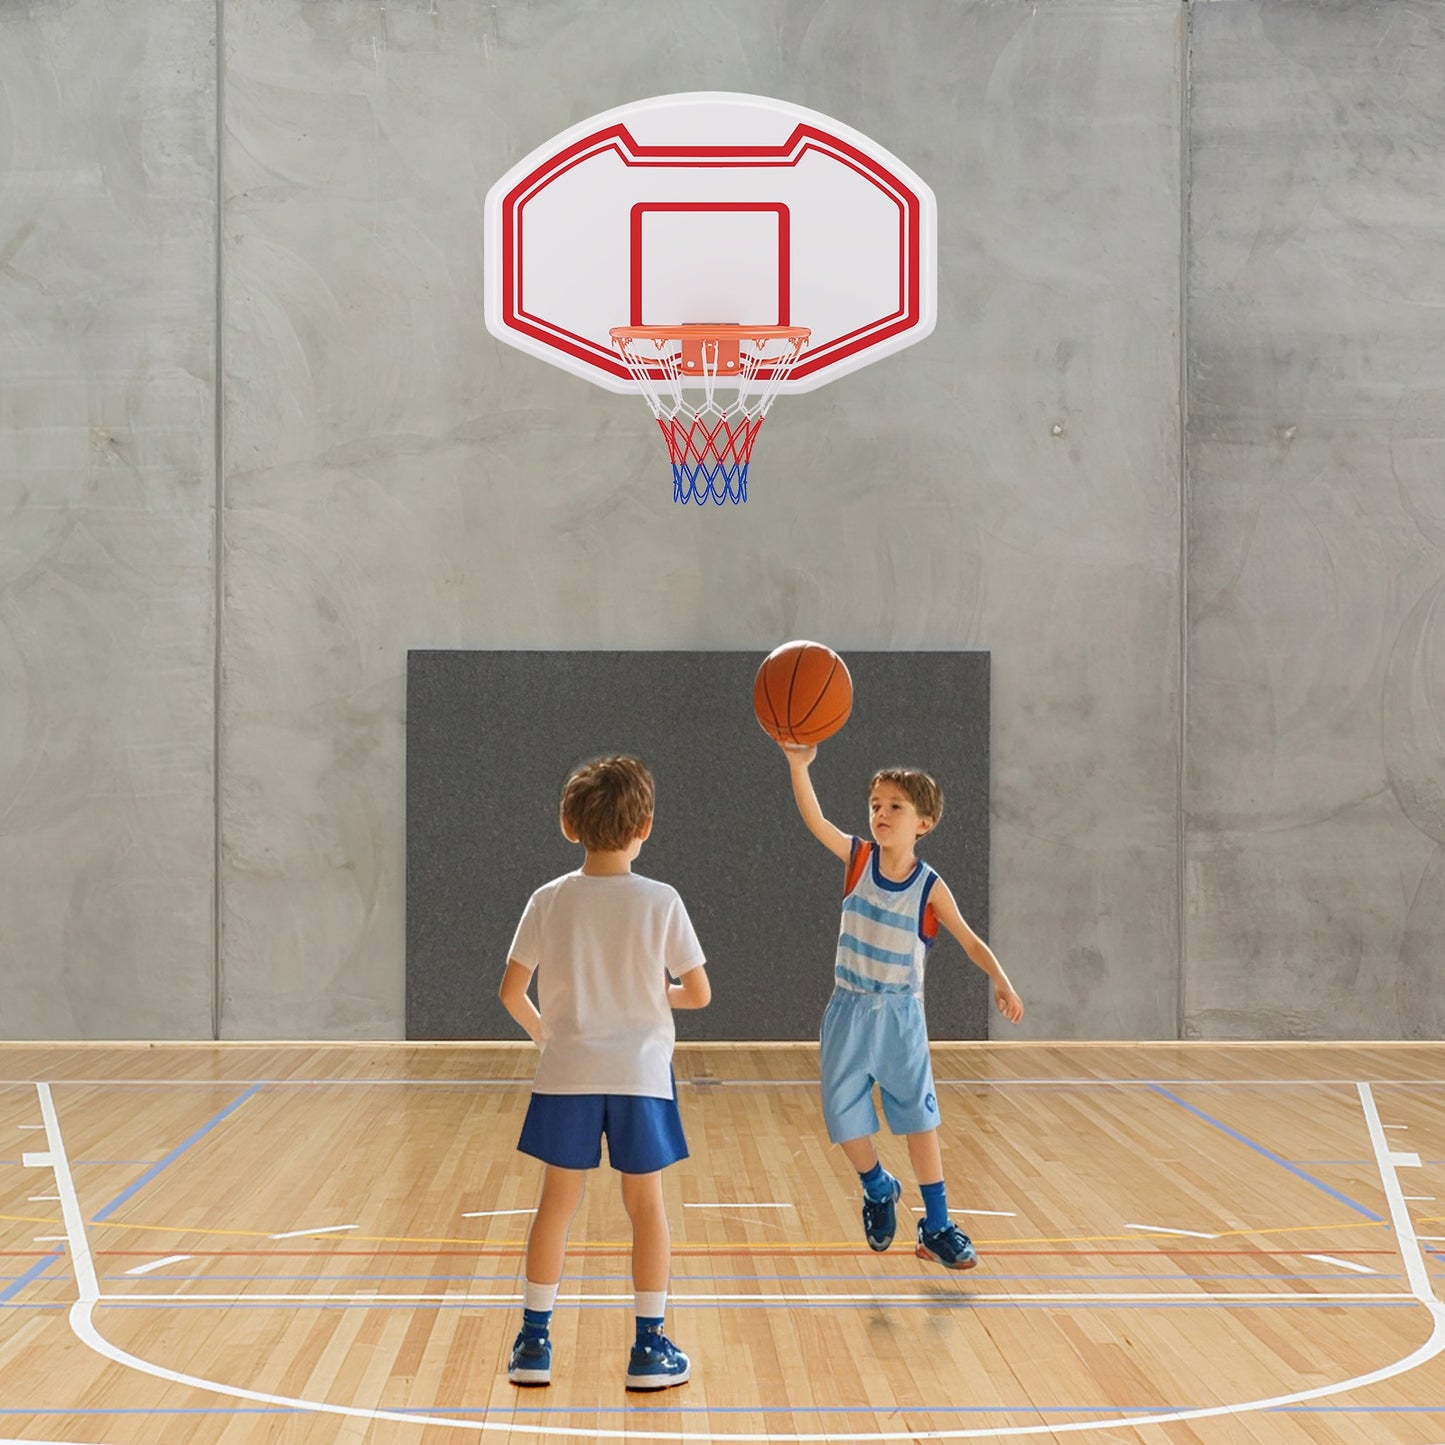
column 80, row 1260
column 738, row 1204
column 158, row 1263
column 1223, row 1297
column 489, row 1213
column 724, row 1211
column 83, row 1326
column 995, row 1213
column 12, row 1440
column 43, row 1199
column 1161, row 1229
column 1343, row 1263
column 324, row 1229
column 1410, row 1252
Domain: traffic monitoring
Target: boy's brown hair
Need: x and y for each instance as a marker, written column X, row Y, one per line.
column 607, row 803
column 922, row 791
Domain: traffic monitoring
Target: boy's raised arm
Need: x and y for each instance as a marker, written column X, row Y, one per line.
column 834, row 839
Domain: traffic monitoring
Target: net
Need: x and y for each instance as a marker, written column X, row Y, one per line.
column 709, row 388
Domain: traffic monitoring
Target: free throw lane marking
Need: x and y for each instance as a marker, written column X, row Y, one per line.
column 80, row 1260
column 1343, row 1263
column 158, row 1263
column 738, row 1204
column 83, row 1325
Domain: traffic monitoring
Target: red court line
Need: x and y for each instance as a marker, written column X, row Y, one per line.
column 789, row 1251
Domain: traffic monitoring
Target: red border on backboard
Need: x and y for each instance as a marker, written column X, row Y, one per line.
column 803, row 139
column 640, row 210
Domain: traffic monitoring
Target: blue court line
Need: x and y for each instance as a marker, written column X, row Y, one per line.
column 77, row 1163
column 34, row 1272
column 981, row 1081
column 170, row 1158
column 1268, row 1154
column 948, row 1301
column 1407, row 1085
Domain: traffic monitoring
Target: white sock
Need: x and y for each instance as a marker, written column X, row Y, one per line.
column 650, row 1304
column 540, row 1297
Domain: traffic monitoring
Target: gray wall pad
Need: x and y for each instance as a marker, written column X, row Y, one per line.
column 491, row 736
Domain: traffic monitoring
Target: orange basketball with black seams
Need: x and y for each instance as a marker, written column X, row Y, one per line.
column 802, row 693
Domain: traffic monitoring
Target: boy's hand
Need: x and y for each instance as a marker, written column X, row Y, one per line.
column 1010, row 1005
column 797, row 755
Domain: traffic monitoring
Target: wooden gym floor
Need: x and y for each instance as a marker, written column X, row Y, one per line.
column 1211, row 1244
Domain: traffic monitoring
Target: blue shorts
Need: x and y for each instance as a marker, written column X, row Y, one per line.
column 643, row 1134
column 875, row 1038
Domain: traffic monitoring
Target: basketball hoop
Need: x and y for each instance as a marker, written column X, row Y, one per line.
column 732, row 374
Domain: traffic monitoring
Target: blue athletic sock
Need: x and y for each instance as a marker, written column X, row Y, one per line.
column 935, row 1206
column 535, row 1323
column 645, row 1323
column 878, row 1184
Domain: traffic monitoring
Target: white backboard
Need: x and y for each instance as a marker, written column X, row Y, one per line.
column 710, row 206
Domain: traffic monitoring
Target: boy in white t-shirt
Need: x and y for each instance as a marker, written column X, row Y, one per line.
column 602, row 942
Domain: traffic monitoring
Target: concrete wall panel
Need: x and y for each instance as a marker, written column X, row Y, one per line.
column 1316, row 700
column 107, row 478
column 394, row 479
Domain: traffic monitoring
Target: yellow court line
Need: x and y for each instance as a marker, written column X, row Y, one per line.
column 767, row 1247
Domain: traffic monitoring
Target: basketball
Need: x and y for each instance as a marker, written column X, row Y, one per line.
column 802, row 693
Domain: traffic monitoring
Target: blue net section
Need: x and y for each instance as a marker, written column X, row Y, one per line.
column 710, row 482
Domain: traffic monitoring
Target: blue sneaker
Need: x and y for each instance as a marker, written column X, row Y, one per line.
column 880, row 1217
column 950, row 1247
column 531, row 1362
column 656, row 1363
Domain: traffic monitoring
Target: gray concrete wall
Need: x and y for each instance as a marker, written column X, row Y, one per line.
column 1316, row 701
column 394, row 478
column 107, row 497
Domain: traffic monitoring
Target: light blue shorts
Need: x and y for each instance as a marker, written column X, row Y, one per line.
column 875, row 1038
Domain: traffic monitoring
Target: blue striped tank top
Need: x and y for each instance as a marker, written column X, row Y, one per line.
column 887, row 928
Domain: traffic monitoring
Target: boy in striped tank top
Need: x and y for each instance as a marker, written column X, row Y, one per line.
column 873, row 1028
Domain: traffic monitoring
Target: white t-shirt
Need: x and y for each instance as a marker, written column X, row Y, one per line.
column 604, row 946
